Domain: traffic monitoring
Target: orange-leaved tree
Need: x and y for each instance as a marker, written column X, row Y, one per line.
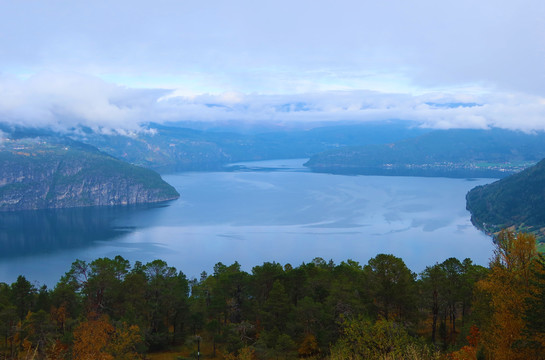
column 469, row 352
column 505, row 288
column 91, row 338
column 98, row 339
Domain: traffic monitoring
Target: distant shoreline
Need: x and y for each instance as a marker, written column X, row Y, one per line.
column 403, row 170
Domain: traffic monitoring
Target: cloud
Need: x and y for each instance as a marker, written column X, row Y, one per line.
column 61, row 101
column 433, row 110
column 116, row 66
column 64, row 101
column 282, row 46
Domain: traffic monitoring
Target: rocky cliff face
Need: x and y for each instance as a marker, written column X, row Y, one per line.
column 38, row 174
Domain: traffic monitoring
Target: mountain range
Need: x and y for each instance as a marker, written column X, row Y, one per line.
column 43, row 168
column 493, row 153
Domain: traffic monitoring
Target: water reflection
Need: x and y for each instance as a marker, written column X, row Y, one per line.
column 286, row 215
column 24, row 233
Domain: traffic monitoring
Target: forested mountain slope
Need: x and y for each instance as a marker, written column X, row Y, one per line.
column 516, row 201
column 451, row 153
column 173, row 148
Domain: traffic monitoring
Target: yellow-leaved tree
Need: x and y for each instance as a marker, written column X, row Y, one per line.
column 505, row 289
column 98, row 339
column 91, row 339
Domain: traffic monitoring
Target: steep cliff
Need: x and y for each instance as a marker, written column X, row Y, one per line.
column 43, row 173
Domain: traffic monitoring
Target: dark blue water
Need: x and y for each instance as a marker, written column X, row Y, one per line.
column 266, row 211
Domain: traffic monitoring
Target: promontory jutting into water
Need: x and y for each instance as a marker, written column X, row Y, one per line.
column 260, row 211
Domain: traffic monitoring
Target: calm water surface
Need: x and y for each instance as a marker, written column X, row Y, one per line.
column 263, row 211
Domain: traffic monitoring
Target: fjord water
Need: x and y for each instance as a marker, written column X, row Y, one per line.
column 257, row 212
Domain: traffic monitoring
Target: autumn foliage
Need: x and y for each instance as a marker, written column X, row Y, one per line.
column 469, row 351
column 98, row 339
column 110, row 309
column 506, row 288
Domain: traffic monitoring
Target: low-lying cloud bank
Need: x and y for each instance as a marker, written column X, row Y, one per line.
column 66, row 101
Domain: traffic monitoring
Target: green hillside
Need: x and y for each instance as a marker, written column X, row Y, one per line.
column 516, row 201
column 451, row 153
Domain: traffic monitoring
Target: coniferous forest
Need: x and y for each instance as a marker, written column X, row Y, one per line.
column 112, row 309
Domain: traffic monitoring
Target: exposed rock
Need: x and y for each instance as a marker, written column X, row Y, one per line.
column 37, row 174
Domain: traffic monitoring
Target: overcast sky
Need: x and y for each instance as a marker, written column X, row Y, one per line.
column 117, row 64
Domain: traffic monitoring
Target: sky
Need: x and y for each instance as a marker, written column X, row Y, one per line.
column 120, row 64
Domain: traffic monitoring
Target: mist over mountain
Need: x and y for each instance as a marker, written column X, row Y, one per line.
column 227, row 100
column 209, row 146
column 393, row 147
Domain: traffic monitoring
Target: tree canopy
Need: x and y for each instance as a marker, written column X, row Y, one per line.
column 110, row 308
